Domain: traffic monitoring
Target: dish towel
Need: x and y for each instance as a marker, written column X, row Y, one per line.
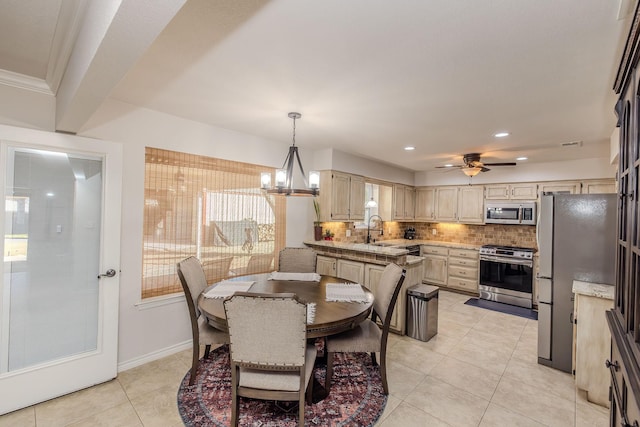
column 345, row 292
column 226, row 288
column 301, row 277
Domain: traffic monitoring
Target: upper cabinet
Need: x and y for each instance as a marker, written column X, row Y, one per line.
column 520, row 191
column 463, row 204
column 341, row 196
column 560, row 187
column 403, row 202
column 425, row 203
column 599, row 186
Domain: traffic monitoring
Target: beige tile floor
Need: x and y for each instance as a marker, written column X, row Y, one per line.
column 480, row 370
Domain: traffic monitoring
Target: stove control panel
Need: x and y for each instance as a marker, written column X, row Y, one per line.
column 522, row 253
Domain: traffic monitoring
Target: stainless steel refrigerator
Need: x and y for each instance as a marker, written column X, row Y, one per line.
column 576, row 241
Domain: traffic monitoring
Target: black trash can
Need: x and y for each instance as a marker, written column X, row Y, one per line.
column 422, row 312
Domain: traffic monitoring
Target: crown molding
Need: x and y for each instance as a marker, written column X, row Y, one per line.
column 23, row 81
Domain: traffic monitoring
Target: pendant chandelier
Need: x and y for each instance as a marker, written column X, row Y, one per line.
column 284, row 176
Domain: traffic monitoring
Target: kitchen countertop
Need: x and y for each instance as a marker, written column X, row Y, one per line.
column 359, row 247
column 598, row 290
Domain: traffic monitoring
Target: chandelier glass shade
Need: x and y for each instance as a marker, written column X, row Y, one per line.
column 283, row 182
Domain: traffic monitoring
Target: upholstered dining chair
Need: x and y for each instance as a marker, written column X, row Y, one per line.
column 217, row 269
column 258, row 263
column 297, row 260
column 367, row 337
column 193, row 283
column 270, row 357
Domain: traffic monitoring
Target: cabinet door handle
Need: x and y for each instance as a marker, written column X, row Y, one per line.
column 609, row 364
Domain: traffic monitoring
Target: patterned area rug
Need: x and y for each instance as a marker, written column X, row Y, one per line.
column 356, row 397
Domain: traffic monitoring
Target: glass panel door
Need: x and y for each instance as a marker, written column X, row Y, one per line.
column 53, row 204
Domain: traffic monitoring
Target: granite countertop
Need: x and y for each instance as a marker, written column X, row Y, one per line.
column 358, row 247
column 598, row 290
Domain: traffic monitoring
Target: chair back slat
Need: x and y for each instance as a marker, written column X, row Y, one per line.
column 267, row 329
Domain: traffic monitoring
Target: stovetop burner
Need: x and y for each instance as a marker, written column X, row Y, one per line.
column 509, row 248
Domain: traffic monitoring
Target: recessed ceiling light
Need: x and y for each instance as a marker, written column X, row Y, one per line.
column 501, row 134
column 409, row 148
column 521, row 158
column 448, row 165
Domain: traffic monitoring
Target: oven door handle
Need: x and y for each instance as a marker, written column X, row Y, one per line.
column 513, row 261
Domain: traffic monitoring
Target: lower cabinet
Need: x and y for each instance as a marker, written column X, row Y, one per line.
column 326, row 266
column 451, row 267
column 351, row 270
column 435, row 264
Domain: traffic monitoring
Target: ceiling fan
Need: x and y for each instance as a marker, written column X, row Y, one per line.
column 473, row 165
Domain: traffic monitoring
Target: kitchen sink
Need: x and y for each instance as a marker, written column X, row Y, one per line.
column 383, row 244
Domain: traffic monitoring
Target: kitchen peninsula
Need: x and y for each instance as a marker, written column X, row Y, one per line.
column 364, row 263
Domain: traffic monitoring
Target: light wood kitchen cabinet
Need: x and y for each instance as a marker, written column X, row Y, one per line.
column 560, row 187
column 518, row 191
column 471, row 204
column 435, row 264
column 451, row 267
column 425, row 203
column 341, row 196
column 446, row 203
column 403, row 202
column 326, row 266
column 460, row 204
column 604, row 186
column 463, row 269
column 351, row 270
column 592, row 346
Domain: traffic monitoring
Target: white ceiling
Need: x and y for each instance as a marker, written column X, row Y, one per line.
column 371, row 77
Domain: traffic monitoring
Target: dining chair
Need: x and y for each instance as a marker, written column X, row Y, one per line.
column 193, row 283
column 217, row 269
column 270, row 357
column 367, row 337
column 258, row 263
column 297, row 260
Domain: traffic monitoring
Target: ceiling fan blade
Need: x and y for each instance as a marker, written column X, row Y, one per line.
column 500, row 164
column 483, row 169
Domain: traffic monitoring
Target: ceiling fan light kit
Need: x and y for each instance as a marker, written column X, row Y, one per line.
column 473, row 166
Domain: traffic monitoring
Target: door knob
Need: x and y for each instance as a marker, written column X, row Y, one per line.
column 109, row 273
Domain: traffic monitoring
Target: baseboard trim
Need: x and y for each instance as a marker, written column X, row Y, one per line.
column 150, row 357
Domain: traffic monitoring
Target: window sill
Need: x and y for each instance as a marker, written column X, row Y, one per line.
column 154, row 302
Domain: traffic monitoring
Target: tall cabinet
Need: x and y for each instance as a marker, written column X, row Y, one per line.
column 624, row 319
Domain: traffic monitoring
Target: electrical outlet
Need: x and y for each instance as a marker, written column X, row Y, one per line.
column 348, row 233
column 434, row 231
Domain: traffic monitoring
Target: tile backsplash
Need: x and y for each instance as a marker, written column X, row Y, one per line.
column 506, row 235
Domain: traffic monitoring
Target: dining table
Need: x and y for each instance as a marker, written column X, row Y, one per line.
column 331, row 317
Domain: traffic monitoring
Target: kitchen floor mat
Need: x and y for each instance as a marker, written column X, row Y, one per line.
column 503, row 308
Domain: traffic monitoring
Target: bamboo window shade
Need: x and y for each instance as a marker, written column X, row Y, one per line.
column 210, row 208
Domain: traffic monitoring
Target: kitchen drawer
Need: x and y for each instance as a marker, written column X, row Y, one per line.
column 465, row 262
column 434, row 250
column 464, row 284
column 465, row 272
column 464, row 253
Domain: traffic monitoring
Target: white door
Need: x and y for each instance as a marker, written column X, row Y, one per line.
column 61, row 230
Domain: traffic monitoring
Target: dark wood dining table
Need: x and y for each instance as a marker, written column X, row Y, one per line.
column 331, row 317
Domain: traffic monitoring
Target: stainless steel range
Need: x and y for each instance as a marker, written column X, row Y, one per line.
column 506, row 275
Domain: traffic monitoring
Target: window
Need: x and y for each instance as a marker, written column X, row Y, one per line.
column 209, row 208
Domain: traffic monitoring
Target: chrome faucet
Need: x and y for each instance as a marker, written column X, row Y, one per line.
column 369, row 227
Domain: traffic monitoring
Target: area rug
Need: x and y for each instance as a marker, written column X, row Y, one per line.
column 356, row 399
column 503, row 308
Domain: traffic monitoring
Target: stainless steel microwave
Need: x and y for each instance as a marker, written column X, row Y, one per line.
column 523, row 213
